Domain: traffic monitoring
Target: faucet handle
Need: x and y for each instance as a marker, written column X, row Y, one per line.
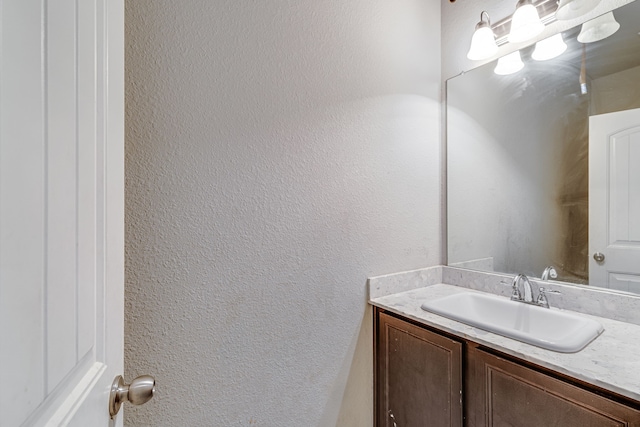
column 542, row 296
column 515, row 292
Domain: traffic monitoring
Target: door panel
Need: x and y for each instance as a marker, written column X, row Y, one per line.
column 61, row 210
column 61, row 195
column 625, row 282
column 87, row 129
column 22, row 230
column 614, row 199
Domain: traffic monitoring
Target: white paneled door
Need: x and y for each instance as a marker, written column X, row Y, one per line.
column 614, row 200
column 61, row 210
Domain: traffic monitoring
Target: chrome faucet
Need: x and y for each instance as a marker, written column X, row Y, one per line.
column 527, row 295
column 526, row 287
column 549, row 273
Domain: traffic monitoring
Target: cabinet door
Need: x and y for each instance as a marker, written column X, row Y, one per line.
column 503, row 393
column 419, row 376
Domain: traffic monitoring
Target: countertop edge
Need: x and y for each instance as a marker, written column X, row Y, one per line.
column 594, row 364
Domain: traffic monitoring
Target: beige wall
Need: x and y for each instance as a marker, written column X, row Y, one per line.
column 616, row 92
column 277, row 154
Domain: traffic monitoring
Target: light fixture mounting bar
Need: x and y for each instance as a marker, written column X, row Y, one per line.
column 546, row 10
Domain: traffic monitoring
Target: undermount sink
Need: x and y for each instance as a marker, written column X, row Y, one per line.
column 550, row 329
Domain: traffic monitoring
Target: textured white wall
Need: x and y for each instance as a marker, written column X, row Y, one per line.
column 278, row 154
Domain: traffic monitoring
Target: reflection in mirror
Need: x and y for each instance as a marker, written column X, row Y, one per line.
column 544, row 164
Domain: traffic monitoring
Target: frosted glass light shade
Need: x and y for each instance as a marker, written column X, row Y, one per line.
column 598, row 29
column 549, row 48
column 570, row 9
column 525, row 23
column 483, row 43
column 509, row 64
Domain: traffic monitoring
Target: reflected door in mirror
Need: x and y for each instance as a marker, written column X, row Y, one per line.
column 614, row 200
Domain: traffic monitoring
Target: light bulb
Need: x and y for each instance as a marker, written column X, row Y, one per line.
column 525, row 23
column 483, row 42
column 509, row 64
column 598, row 29
column 570, row 9
column 549, row 48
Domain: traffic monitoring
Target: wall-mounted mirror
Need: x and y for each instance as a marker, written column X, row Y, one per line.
column 543, row 164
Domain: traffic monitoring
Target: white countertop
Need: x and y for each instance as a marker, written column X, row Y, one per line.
column 611, row 361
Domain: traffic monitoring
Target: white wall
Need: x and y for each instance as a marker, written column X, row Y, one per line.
column 278, row 154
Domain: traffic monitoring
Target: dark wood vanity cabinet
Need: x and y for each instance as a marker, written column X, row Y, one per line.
column 419, row 376
column 504, row 393
column 427, row 379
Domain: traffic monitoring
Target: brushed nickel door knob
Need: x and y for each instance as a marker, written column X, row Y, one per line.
column 138, row 392
column 598, row 256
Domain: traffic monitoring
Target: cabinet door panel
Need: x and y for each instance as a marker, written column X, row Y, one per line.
column 507, row 394
column 419, row 376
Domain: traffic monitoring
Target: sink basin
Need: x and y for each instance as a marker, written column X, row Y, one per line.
column 551, row 329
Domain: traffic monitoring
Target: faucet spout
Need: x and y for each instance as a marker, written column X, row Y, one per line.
column 549, row 273
column 527, row 294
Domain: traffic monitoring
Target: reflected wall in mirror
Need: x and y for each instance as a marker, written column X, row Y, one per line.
column 543, row 165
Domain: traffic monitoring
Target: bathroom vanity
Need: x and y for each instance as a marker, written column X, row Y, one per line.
column 427, row 377
column 430, row 370
column 541, row 177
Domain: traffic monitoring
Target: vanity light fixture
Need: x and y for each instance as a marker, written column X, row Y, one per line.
column 525, row 23
column 598, row 28
column 570, row 9
column 483, row 42
column 509, row 64
column 549, row 48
